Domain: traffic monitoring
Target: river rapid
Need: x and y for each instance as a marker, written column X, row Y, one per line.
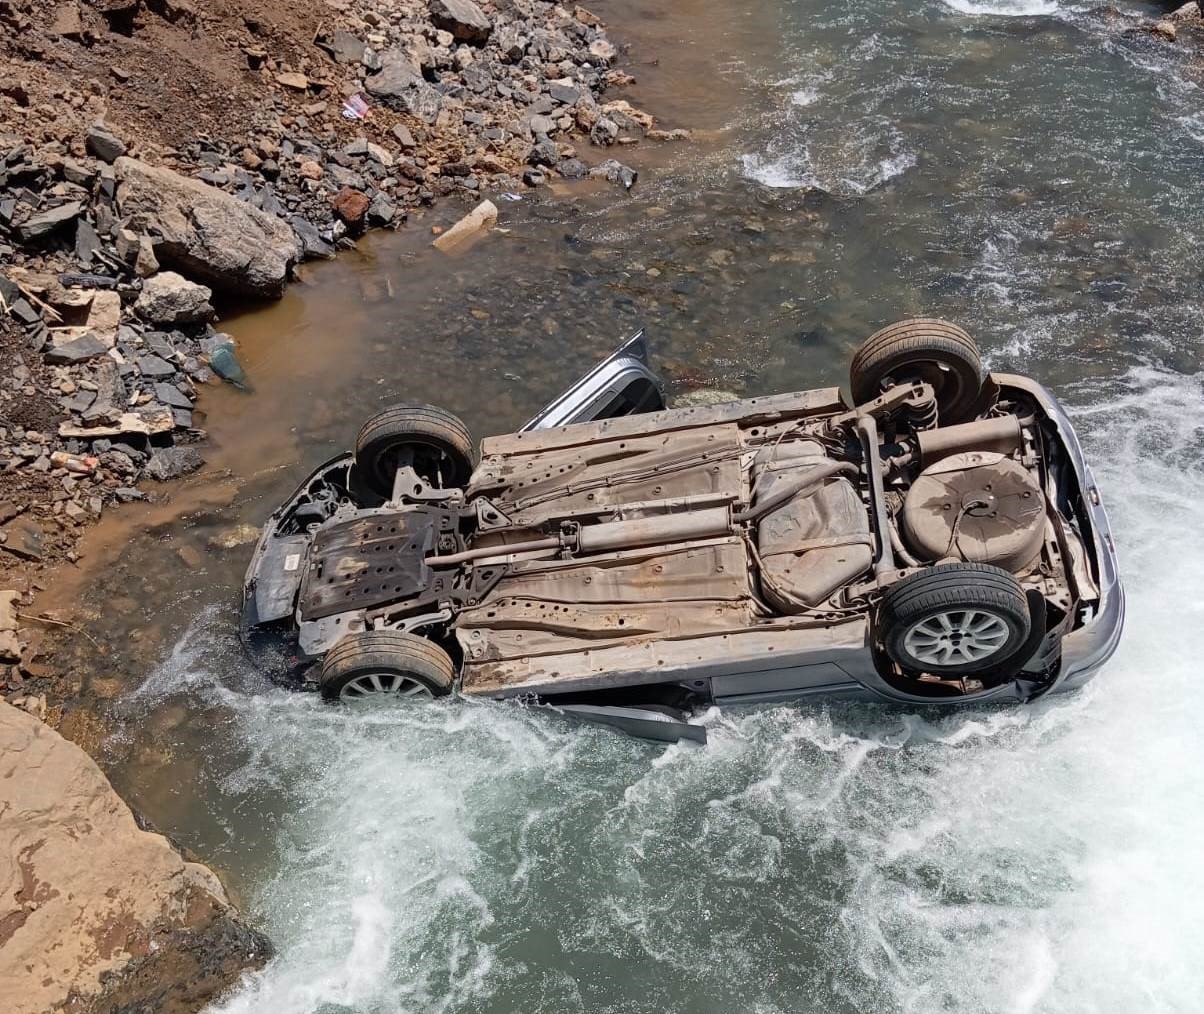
column 1014, row 165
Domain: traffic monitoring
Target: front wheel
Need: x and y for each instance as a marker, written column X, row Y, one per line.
column 429, row 439
column 955, row 619
column 375, row 664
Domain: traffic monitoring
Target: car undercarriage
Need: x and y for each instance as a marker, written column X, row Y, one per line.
column 938, row 540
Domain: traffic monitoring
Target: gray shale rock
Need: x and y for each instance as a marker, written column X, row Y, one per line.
column 172, row 396
column 400, row 84
column 98, row 914
column 207, row 233
column 168, row 298
column 343, row 47
column 104, row 144
column 83, row 348
column 463, row 18
column 46, row 222
column 312, row 243
column 155, row 367
column 173, row 462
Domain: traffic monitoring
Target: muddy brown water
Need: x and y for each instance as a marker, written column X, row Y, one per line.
column 1013, row 165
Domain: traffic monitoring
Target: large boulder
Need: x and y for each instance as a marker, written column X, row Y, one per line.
column 204, row 232
column 95, row 913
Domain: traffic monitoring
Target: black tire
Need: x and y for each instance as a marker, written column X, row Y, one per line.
column 406, row 660
column 934, row 351
column 436, row 442
column 910, row 629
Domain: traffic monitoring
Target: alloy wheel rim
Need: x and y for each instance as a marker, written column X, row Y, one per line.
column 956, row 637
column 376, row 684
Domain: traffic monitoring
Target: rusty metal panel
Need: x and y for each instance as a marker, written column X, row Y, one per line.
column 533, row 488
column 748, row 412
column 812, row 545
column 514, row 628
column 559, row 606
column 366, row 561
column 781, row 645
column 713, row 570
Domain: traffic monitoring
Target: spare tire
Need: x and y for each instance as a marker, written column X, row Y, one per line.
column 921, row 349
column 378, row 663
column 430, row 439
column 954, row 619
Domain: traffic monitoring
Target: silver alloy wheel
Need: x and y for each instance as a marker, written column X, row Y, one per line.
column 956, row 637
column 371, row 684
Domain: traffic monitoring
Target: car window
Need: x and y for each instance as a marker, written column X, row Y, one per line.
column 640, row 395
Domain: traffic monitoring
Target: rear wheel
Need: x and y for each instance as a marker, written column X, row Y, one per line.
column 385, row 663
column 921, row 349
column 435, row 443
column 954, row 619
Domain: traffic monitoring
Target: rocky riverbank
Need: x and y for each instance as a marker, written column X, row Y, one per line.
column 1182, row 23
column 159, row 158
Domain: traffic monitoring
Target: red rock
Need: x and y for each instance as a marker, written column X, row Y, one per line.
column 351, row 206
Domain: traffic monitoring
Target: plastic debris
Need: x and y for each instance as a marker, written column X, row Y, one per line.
column 224, row 362
column 79, row 464
column 356, row 107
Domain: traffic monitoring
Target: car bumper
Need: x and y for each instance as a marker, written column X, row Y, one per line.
column 1088, row 647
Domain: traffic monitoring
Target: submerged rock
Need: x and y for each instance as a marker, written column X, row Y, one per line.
column 173, row 462
column 704, row 397
column 95, row 913
column 614, row 171
column 205, row 232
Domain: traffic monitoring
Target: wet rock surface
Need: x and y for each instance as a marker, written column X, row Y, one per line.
column 98, row 914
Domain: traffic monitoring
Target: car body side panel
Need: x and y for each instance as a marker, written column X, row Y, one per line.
column 623, row 383
column 789, row 653
column 747, row 412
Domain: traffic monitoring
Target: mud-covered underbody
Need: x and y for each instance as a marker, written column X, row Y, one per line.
column 737, row 553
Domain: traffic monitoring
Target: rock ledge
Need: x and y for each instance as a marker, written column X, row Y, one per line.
column 97, row 915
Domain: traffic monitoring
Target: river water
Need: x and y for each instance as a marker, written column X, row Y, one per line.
column 1015, row 165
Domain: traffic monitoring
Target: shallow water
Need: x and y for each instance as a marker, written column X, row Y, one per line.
column 1016, row 166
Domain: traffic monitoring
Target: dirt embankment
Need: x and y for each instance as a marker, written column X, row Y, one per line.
column 159, row 157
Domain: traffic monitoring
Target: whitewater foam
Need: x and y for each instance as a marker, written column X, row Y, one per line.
column 1009, row 860
column 1004, row 8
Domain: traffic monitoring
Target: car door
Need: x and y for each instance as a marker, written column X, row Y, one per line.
column 622, row 384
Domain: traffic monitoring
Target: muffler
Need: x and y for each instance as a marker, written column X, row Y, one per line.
column 1000, row 434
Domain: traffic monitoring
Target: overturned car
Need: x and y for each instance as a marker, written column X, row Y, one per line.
column 939, row 540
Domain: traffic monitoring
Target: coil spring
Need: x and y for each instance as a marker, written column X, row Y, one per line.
column 921, row 416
